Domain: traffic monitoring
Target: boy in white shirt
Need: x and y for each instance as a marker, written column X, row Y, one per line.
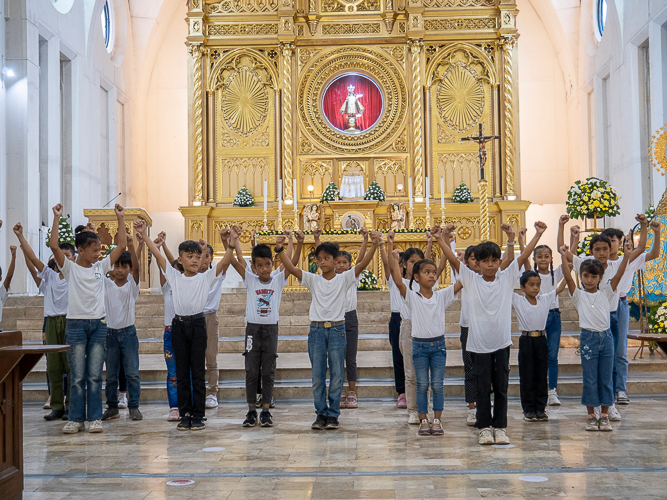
column 212, row 327
column 86, row 328
column 190, row 291
column 326, row 339
column 53, row 285
column 121, row 293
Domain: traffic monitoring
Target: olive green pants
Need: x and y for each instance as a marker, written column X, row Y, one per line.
column 56, row 362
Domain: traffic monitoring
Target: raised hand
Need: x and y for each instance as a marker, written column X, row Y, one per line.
column 317, row 232
column 288, row 233
column 564, row 219
column 563, row 250
column 58, row 210
column 120, row 211
column 540, row 227
column 575, row 231
column 628, row 246
column 448, row 229
column 280, row 241
column 436, row 232
column 429, row 236
column 364, row 232
column 390, row 237
column 522, row 232
column 224, row 233
column 130, row 240
column 140, row 226
column 12, row 249
column 655, row 226
column 18, row 229
column 641, row 218
column 300, row 236
column 202, row 244
column 235, row 233
column 396, row 252
column 90, row 226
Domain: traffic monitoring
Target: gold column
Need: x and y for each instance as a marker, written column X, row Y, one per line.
column 417, row 119
column 287, row 49
column 210, row 144
column 196, row 52
column 484, row 209
column 508, row 99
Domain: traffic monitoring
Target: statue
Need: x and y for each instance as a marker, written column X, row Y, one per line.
column 396, row 212
column 311, row 217
column 481, row 141
column 352, row 108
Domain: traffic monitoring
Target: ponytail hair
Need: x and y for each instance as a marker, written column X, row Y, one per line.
column 417, row 267
column 551, row 264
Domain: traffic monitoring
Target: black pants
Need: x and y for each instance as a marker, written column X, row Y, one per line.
column 533, row 370
column 261, row 350
column 492, row 368
column 189, row 339
column 470, row 385
column 352, row 335
column 394, row 340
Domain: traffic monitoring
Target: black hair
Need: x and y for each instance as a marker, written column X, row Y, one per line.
column 261, row 251
column 527, row 275
column 84, row 239
column 592, row 266
column 551, row 264
column 346, row 255
column 67, row 246
column 409, row 253
column 599, row 238
column 79, row 229
column 487, row 249
column 177, row 265
column 469, row 251
column 210, row 249
column 124, row 259
column 189, row 246
column 612, row 232
column 328, row 248
column 51, row 264
column 417, row 266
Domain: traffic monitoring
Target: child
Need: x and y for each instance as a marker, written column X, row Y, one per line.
column 190, row 291
column 594, row 305
column 489, row 296
column 532, row 313
column 4, row 288
column 86, row 328
column 326, row 340
column 464, row 320
column 121, row 291
column 212, row 328
column 429, row 354
column 53, row 285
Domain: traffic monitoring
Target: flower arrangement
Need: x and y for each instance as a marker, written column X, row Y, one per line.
column 330, row 193
column 657, row 319
column 374, row 192
column 592, row 197
column 584, row 247
column 65, row 233
column 462, row 194
column 244, row 198
column 346, row 231
column 650, row 213
column 368, row 281
column 107, row 249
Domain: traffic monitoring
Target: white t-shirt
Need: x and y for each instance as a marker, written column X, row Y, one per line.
column 214, row 295
column 351, row 296
column 429, row 314
column 55, row 292
column 3, row 297
column 395, row 298
column 328, row 303
column 168, row 304
column 405, row 310
column 190, row 292
column 86, row 289
column 533, row 317
column 625, row 285
column 464, row 319
column 594, row 308
column 263, row 299
column 490, row 307
column 120, row 301
column 609, row 273
column 550, row 285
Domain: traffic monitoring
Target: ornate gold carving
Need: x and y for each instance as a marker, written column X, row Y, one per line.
column 245, row 164
column 243, row 6
column 439, row 4
column 313, row 168
column 229, row 141
column 300, row 30
column 417, row 119
column 287, row 50
column 262, row 140
column 243, row 29
column 400, row 145
column 402, row 27
column 508, row 98
column 351, row 29
column 444, row 136
column 245, row 102
column 451, row 161
column 459, row 24
column 305, row 147
column 460, row 97
column 483, row 187
column 196, row 228
column 658, row 151
column 389, row 167
column 464, row 233
column 196, row 52
column 306, row 55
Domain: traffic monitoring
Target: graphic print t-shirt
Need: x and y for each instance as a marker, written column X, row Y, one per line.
column 263, row 301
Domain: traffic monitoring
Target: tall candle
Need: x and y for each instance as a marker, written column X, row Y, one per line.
column 442, row 192
column 410, row 191
column 294, row 184
column 265, row 197
column 428, row 193
column 280, row 194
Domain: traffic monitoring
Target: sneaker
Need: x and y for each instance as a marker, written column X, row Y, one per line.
column 273, row 403
column 54, row 415
column 197, row 424
column 185, row 424
column 424, row 428
column 332, row 423
column 343, row 401
column 122, row 401
column 258, row 400
column 352, row 400
column 65, row 416
column 436, row 428
column 265, row 419
column 319, row 423
column 174, row 416
column 486, row 436
column 95, row 426
column 47, row 405
column 530, row 416
column 413, row 418
column 614, row 415
column 605, row 425
column 135, row 414
column 73, row 427
column 622, row 398
column 250, row 419
column 500, row 436
column 542, row 416
column 592, row 424
column 471, row 418
column 110, row 414
column 553, row 398
column 401, row 402
column 211, row 401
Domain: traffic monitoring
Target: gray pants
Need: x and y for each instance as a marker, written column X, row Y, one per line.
column 410, row 375
column 352, row 335
column 261, row 350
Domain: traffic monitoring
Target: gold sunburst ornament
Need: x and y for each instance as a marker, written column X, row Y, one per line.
column 460, row 97
column 657, row 150
column 245, row 102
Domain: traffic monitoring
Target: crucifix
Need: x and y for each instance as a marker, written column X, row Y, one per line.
column 481, row 140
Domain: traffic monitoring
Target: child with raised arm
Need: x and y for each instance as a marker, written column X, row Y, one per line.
column 86, row 327
column 190, row 291
column 121, row 294
column 53, row 285
column 594, row 304
column 4, row 287
column 489, row 297
column 326, row 339
column 464, row 321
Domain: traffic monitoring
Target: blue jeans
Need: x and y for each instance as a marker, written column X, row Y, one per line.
column 123, row 347
column 429, row 357
column 620, row 323
column 597, row 363
column 327, row 346
column 87, row 337
column 553, row 330
column 169, row 359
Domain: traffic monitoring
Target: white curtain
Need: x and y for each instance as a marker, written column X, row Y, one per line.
column 352, row 187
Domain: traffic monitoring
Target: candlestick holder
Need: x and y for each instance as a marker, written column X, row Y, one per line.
column 295, row 227
column 279, row 226
column 442, row 215
column 265, row 227
column 411, row 226
column 428, row 218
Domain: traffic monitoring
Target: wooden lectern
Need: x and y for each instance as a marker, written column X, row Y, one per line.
column 16, row 361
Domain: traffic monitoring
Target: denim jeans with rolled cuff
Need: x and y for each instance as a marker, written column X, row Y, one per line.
column 597, row 364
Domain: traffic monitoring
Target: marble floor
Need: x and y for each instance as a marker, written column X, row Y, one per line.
column 374, row 454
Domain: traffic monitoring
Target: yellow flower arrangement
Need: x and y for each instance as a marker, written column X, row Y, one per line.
column 592, row 197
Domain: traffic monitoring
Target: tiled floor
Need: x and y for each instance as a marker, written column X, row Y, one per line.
column 374, row 454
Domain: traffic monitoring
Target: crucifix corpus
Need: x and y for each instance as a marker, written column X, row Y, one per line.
column 481, row 141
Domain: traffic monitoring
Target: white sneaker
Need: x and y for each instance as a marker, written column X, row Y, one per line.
column 413, row 418
column 211, row 401
column 501, row 436
column 174, row 415
column 73, row 427
column 614, row 415
column 471, row 418
column 122, row 401
column 95, row 426
column 553, row 398
column 486, row 436
column 622, row 398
